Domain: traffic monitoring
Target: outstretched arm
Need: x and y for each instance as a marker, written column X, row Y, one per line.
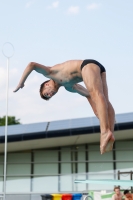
column 30, row 67
column 84, row 92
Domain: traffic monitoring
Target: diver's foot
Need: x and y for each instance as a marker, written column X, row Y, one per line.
column 110, row 143
column 106, row 143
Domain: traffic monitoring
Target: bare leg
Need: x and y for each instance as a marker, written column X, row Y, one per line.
column 111, row 113
column 111, row 118
column 92, row 79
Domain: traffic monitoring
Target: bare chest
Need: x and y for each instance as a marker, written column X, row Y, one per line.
column 118, row 197
column 67, row 78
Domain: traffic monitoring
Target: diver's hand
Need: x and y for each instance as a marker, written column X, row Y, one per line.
column 18, row 87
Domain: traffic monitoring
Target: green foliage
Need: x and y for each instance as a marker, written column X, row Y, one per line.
column 11, row 120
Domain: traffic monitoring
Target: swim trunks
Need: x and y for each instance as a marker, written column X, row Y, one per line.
column 87, row 61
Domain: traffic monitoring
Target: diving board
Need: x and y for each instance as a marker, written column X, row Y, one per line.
column 127, row 183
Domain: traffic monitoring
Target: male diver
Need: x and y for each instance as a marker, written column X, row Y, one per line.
column 69, row 74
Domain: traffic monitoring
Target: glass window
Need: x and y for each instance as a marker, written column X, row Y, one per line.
column 66, row 154
column 102, row 168
column 46, row 169
column 45, row 184
column 124, row 144
column 81, row 167
column 16, row 173
column 18, row 157
column 66, row 179
column 18, row 184
column 124, row 157
column 48, row 183
column 46, row 156
column 67, row 182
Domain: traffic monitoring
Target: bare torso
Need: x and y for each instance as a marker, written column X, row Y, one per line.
column 67, row 73
column 117, row 197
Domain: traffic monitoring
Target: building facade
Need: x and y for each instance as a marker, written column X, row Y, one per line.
column 47, row 157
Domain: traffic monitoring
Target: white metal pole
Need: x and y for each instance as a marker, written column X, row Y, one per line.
column 6, row 127
column 8, row 55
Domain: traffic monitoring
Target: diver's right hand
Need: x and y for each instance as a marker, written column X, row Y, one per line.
column 18, row 87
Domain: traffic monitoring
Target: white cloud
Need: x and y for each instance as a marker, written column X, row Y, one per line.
column 93, row 6
column 29, row 4
column 73, row 10
column 55, row 4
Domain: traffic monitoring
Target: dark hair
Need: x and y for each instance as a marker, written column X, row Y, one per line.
column 126, row 191
column 116, row 188
column 42, row 86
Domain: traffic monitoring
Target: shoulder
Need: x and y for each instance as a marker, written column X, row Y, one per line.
column 113, row 197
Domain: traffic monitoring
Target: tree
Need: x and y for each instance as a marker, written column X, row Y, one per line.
column 11, row 120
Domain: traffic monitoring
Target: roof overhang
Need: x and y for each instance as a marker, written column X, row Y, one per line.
column 62, row 133
column 63, row 141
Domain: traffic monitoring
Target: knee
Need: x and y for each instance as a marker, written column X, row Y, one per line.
column 96, row 113
column 111, row 107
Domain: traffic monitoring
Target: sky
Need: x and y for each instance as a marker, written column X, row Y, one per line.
column 53, row 31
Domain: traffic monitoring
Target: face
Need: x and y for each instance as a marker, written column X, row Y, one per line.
column 49, row 90
column 117, row 191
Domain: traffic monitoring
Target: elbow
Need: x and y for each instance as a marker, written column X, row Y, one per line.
column 75, row 87
column 88, row 97
column 32, row 65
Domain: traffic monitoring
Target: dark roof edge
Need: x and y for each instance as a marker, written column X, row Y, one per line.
column 63, row 133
